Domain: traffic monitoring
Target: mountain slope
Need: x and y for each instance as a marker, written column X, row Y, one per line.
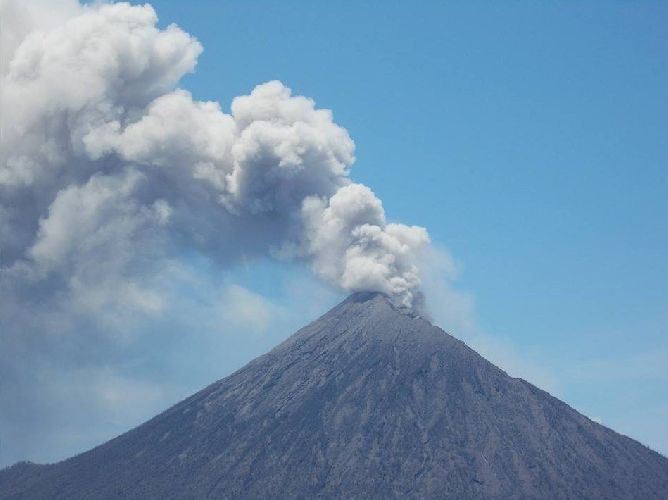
column 369, row 401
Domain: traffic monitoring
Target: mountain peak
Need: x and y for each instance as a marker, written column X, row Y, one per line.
column 369, row 400
column 372, row 298
column 366, row 317
column 379, row 299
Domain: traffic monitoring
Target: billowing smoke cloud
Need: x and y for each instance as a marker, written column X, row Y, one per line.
column 113, row 181
column 106, row 167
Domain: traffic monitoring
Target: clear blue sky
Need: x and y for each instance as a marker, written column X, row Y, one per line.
column 530, row 138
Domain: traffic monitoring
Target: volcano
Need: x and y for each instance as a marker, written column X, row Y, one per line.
column 369, row 401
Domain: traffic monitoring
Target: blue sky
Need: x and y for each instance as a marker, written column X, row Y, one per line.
column 529, row 138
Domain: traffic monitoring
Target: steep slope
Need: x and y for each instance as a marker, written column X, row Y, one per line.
column 369, row 401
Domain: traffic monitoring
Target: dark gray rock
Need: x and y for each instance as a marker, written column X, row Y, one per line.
column 369, row 401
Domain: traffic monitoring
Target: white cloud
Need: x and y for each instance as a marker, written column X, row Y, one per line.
column 243, row 311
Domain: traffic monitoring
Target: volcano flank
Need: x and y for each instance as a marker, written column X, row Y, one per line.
column 368, row 401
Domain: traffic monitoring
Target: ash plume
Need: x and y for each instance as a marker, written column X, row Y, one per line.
column 112, row 177
column 105, row 160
